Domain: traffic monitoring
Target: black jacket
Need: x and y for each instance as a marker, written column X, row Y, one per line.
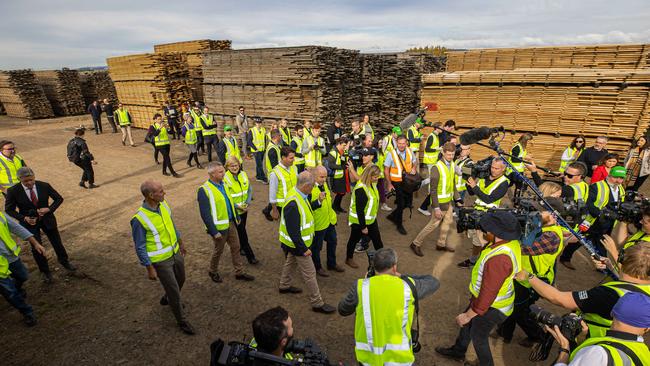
column 95, row 111
column 18, row 205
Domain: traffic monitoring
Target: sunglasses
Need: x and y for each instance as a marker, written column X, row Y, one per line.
column 10, row 149
column 571, row 175
column 580, row 141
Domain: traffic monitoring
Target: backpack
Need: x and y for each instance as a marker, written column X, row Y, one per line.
column 73, row 151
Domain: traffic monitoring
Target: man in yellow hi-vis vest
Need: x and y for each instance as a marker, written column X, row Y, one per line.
column 257, row 143
column 385, row 311
column 160, row 249
column 491, row 286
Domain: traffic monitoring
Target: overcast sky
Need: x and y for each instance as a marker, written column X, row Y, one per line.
column 55, row 33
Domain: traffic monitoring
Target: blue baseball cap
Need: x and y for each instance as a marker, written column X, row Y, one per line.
column 633, row 309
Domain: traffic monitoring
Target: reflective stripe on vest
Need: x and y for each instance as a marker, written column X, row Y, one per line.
column 383, row 324
column 574, row 154
column 368, row 129
column 161, row 236
column 190, row 134
column 314, row 157
column 522, row 154
column 123, row 117
column 396, row 169
column 237, row 186
column 479, row 204
column 460, row 182
column 580, row 191
column 599, row 325
column 544, row 263
column 306, row 221
column 614, row 348
column 602, row 197
column 324, row 216
column 337, row 157
column 415, row 146
column 232, row 148
column 447, row 176
column 287, row 180
column 209, row 121
column 370, row 210
column 505, row 299
column 162, row 139
column 267, row 161
column 259, row 138
column 9, row 242
column 430, row 158
column 298, row 159
column 286, row 135
column 218, row 209
column 197, row 120
column 9, row 170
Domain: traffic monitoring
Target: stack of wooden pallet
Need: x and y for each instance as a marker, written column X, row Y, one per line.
column 97, row 85
column 22, row 96
column 426, row 62
column 194, row 51
column 146, row 82
column 556, row 103
column 629, row 56
column 63, row 89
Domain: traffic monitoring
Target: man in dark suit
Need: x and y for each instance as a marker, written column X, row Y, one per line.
column 95, row 111
column 29, row 203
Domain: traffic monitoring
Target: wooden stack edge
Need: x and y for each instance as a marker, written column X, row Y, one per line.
column 63, row 90
column 22, row 96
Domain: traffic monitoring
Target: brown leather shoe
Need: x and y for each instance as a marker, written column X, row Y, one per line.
column 417, row 250
column 445, row 249
column 350, row 262
column 568, row 265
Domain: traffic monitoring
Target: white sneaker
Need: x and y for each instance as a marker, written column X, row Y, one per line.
column 424, row 212
column 385, row 207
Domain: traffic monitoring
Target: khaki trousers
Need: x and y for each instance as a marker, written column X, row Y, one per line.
column 126, row 132
column 232, row 239
column 308, row 272
column 445, row 224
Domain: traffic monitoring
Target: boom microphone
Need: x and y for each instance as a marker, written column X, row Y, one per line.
column 478, row 134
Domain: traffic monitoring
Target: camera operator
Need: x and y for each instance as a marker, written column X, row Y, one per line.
column 313, row 147
column 296, row 145
column 596, row 304
column 642, row 235
column 491, row 286
column 273, row 329
column 334, row 132
column 385, row 309
column 401, row 161
column 622, row 345
column 489, row 193
column 337, row 162
column 430, row 158
column 443, row 182
column 539, row 259
column 414, row 136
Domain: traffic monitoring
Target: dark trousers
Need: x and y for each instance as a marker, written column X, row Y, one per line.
column 300, row 168
column 639, row 182
column 89, row 174
column 244, row 245
column 55, row 239
column 156, row 154
column 477, row 331
column 267, row 210
column 259, row 165
column 111, row 121
column 11, row 287
column 175, row 128
column 98, row 125
column 524, row 298
column 427, row 201
column 402, row 201
column 211, row 142
column 356, row 234
column 167, row 161
column 328, row 235
column 194, row 156
column 336, row 203
column 171, row 275
column 200, row 145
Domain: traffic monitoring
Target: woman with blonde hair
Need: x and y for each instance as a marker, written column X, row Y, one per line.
column 550, row 189
column 239, row 188
column 362, row 216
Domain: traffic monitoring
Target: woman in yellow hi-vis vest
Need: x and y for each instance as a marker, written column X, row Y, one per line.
column 491, row 287
column 160, row 133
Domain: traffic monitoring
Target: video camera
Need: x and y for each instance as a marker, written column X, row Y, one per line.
column 527, row 216
column 630, row 211
column 478, row 169
column 569, row 324
column 305, row 353
column 575, row 212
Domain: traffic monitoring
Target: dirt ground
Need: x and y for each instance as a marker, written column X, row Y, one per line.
column 109, row 314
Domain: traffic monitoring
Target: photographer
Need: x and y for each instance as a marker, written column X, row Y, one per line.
column 386, row 300
column 273, row 329
column 337, row 163
column 313, row 147
column 400, row 162
column 623, row 344
column 491, row 286
column 430, row 158
column 596, row 304
column 642, row 235
column 539, row 259
column 442, row 182
column 367, row 157
column 489, row 193
column 414, row 136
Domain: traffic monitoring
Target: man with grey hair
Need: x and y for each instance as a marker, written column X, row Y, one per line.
column 386, row 299
column 29, row 203
column 592, row 155
column 296, row 237
column 220, row 218
column 160, row 249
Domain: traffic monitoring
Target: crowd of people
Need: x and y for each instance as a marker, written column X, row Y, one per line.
column 308, row 175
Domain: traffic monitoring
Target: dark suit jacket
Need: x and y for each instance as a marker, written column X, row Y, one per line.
column 18, row 204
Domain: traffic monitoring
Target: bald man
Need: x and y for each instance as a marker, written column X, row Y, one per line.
column 296, row 237
column 160, row 249
column 324, row 224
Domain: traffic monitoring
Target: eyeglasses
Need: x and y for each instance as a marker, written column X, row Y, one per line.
column 571, row 175
column 10, row 149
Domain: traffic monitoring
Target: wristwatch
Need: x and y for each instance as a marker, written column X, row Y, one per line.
column 530, row 276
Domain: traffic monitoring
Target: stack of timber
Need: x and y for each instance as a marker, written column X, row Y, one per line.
column 2, row 109
column 312, row 83
column 557, row 104
column 194, row 51
column 426, row 62
column 63, row 89
column 97, row 85
column 628, row 56
column 146, row 82
column 22, row 96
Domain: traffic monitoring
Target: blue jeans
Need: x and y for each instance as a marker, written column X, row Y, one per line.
column 259, row 165
column 11, row 287
column 328, row 235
